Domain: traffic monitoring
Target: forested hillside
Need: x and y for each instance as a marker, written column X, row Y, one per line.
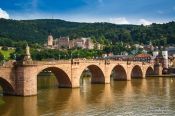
column 37, row 31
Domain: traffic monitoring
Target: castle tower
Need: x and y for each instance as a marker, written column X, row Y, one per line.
column 50, row 40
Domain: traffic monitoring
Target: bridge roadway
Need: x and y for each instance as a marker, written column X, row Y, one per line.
column 20, row 78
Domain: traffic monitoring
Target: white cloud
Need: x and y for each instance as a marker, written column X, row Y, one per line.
column 144, row 22
column 120, row 20
column 4, row 14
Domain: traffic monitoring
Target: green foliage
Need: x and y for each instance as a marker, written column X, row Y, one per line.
column 15, row 33
column 66, row 54
column 37, row 31
column 18, row 54
column 5, row 48
column 1, row 57
column 6, row 54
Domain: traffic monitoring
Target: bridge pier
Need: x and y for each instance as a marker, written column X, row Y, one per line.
column 26, row 81
column 107, row 80
column 128, row 72
column 74, row 77
column 144, row 75
column 107, row 74
column 158, row 69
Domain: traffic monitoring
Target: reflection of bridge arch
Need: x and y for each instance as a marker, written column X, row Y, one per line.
column 6, row 86
column 61, row 76
column 136, row 72
column 96, row 73
column 119, row 73
column 149, row 71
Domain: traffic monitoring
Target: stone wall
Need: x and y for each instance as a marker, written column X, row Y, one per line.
column 22, row 77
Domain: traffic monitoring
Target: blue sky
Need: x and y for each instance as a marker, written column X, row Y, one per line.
column 114, row 11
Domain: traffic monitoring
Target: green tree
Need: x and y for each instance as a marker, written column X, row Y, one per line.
column 1, row 57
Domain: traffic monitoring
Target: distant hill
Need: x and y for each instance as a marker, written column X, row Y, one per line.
column 38, row 30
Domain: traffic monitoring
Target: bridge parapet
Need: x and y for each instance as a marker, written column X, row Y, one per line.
column 73, row 61
column 87, row 61
column 8, row 64
column 140, row 63
column 118, row 61
column 54, row 62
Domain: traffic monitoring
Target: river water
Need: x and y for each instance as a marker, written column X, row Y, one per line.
column 139, row 97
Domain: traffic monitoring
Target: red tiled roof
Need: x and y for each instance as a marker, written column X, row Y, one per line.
column 143, row 55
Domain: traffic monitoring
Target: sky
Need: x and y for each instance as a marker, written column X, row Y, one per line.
column 114, row 11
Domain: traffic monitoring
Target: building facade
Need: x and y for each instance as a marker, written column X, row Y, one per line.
column 66, row 43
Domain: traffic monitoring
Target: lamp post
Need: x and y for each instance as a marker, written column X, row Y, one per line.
column 59, row 56
column 78, row 55
column 3, row 61
column 14, row 56
column 71, row 55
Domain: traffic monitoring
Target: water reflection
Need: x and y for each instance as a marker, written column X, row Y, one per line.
column 46, row 82
column 0, row 91
column 152, row 96
column 18, row 106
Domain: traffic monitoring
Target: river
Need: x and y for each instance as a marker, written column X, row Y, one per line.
column 139, row 97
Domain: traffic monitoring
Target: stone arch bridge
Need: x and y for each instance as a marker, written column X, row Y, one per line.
column 20, row 78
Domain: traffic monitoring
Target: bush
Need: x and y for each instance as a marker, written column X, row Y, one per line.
column 1, row 57
column 5, row 48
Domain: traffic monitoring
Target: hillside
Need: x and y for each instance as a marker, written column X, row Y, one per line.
column 37, row 31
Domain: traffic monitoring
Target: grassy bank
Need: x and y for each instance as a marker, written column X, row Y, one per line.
column 7, row 53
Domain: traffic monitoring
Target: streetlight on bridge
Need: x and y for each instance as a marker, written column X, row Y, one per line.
column 71, row 55
column 14, row 56
column 59, row 56
column 78, row 55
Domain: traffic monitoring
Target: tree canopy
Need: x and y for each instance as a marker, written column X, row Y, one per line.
column 105, row 33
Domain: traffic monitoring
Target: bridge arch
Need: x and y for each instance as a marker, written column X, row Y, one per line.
column 61, row 76
column 97, row 75
column 149, row 71
column 119, row 73
column 7, row 87
column 136, row 72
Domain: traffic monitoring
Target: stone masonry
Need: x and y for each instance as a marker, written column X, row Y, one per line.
column 20, row 78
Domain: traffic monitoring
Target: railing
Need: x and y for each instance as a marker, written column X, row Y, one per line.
column 54, row 62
